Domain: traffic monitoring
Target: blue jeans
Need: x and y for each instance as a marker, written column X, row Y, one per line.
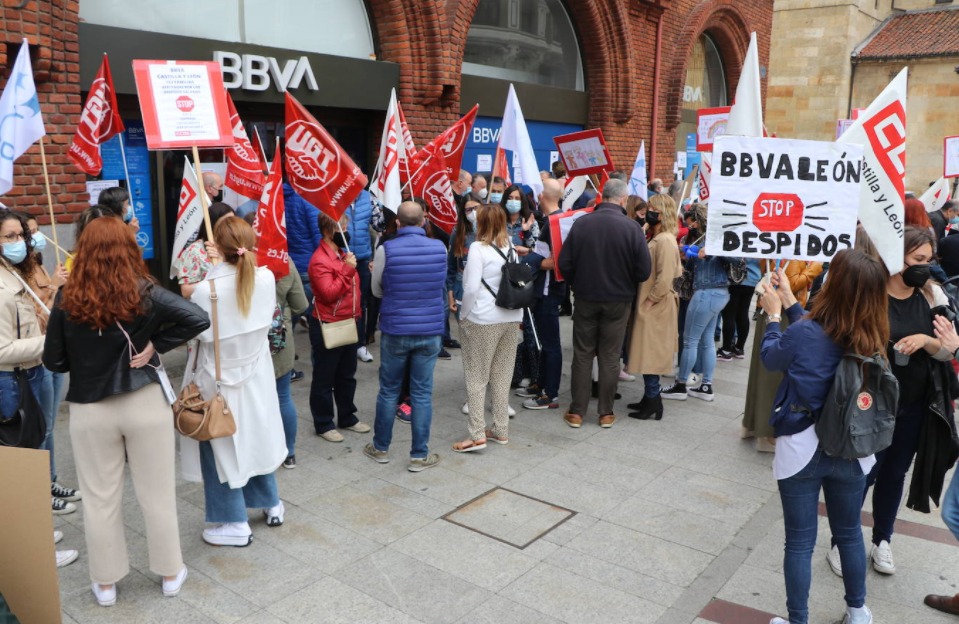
column 950, row 507
column 287, row 411
column 363, row 269
column 698, row 347
column 51, row 392
column 225, row 504
column 652, row 386
column 842, row 482
column 10, row 395
column 546, row 318
column 396, row 354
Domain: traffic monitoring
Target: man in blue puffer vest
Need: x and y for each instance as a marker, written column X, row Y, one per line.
column 409, row 275
column 361, row 245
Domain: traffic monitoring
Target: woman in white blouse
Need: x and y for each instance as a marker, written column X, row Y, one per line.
column 488, row 331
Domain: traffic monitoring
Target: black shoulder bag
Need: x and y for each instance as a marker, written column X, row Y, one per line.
column 27, row 427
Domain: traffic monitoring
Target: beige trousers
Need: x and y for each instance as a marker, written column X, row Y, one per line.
column 489, row 352
column 139, row 426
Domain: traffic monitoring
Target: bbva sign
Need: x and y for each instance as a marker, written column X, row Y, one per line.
column 253, row 72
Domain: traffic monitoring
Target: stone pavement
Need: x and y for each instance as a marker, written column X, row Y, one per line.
column 665, row 522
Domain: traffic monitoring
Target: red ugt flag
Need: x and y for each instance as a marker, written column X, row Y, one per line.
column 99, row 122
column 244, row 171
column 432, row 182
column 453, row 142
column 270, row 224
column 316, row 166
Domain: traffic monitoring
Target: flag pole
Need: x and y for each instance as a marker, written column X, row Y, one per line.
column 203, row 198
column 65, row 252
column 263, row 153
column 46, row 181
column 410, row 180
column 345, row 242
column 126, row 174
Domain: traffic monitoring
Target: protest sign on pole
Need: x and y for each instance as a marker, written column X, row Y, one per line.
column 584, row 152
column 881, row 130
column 783, row 198
column 710, row 125
column 950, row 157
column 559, row 226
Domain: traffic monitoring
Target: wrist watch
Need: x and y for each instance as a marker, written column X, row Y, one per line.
column 775, row 318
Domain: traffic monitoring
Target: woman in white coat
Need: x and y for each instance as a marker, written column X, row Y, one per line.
column 237, row 471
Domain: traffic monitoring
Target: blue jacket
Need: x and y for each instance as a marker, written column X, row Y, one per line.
column 414, row 285
column 359, row 227
column 302, row 228
column 710, row 272
column 809, row 359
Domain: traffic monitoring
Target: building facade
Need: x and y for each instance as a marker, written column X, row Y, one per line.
column 637, row 69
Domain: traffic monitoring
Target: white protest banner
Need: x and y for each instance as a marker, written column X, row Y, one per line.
column 881, row 131
column 950, row 157
column 559, row 226
column 783, row 198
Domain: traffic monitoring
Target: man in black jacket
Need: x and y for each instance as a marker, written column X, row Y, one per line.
column 604, row 258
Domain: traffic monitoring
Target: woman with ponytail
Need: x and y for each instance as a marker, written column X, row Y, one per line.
column 237, row 471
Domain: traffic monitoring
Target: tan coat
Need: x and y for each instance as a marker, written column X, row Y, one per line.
column 25, row 351
column 655, row 332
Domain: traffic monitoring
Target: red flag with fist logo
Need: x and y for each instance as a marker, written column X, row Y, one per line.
column 272, row 250
column 244, row 171
column 432, row 182
column 453, row 142
column 316, row 166
column 99, row 122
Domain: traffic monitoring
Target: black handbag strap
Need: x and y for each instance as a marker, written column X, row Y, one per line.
column 505, row 261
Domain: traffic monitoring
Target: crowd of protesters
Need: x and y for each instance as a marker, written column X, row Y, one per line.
column 645, row 298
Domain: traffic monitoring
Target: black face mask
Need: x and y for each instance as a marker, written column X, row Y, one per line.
column 916, row 276
column 218, row 197
column 341, row 242
column 652, row 218
column 693, row 234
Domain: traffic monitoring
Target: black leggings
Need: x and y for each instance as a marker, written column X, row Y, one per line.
column 736, row 317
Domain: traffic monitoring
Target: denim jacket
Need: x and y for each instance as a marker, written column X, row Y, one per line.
column 710, row 272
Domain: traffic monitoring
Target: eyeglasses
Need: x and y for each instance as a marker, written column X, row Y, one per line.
column 12, row 237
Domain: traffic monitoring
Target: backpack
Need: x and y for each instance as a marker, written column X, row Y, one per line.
column 517, row 288
column 859, row 414
column 277, row 334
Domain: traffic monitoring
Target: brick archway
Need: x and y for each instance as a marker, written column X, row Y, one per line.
column 729, row 30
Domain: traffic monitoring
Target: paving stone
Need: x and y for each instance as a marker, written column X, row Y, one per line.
column 329, row 601
column 365, row 514
column 510, row 517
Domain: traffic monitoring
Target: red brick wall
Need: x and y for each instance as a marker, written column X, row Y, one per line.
column 50, row 26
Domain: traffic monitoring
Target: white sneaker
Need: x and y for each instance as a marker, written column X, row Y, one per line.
column 57, row 536
column 172, row 588
column 509, row 409
column 274, row 515
column 66, row 557
column 229, row 534
column 778, row 620
column 364, row 354
column 881, row 556
column 835, row 563
column 862, row 615
column 105, row 597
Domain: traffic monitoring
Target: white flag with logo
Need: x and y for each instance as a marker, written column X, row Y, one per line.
column 20, row 122
column 936, row 195
column 705, row 172
column 637, row 180
column 189, row 215
column 386, row 178
column 881, row 130
column 514, row 136
column 746, row 114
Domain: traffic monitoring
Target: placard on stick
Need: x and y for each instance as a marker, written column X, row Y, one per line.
column 584, row 152
column 783, row 198
column 710, row 125
column 183, row 104
column 950, row 157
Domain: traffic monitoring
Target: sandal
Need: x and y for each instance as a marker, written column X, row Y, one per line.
column 469, row 445
column 496, row 438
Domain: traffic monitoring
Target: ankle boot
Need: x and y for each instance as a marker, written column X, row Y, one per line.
column 653, row 410
column 638, row 407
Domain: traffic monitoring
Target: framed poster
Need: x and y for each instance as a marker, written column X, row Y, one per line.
column 584, row 152
column 710, row 123
column 183, row 104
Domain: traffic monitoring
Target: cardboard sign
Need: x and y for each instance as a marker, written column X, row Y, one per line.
column 950, row 157
column 559, row 226
column 783, row 198
column 584, row 152
column 183, row 104
column 710, row 124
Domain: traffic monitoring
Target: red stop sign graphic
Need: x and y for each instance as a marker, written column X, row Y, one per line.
column 184, row 103
column 778, row 212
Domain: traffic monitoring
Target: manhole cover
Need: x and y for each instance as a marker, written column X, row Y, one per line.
column 509, row 517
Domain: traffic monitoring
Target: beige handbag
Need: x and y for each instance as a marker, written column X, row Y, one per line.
column 199, row 419
column 340, row 333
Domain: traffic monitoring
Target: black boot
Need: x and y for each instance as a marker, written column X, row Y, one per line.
column 652, row 411
column 640, row 405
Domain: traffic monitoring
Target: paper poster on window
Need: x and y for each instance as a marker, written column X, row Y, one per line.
column 783, row 198
column 950, row 157
column 584, row 152
column 95, row 187
column 484, row 162
column 183, row 104
column 710, row 125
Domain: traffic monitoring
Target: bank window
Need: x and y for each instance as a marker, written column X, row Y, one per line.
column 336, row 27
column 705, row 85
column 529, row 41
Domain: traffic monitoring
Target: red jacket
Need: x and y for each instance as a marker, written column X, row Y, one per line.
column 336, row 286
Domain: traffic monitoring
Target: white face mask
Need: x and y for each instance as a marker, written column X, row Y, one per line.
column 482, row 193
column 471, row 217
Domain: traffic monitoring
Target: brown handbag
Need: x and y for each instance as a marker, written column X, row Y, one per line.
column 192, row 415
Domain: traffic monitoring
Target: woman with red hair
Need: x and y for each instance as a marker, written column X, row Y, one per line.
column 915, row 214
column 108, row 324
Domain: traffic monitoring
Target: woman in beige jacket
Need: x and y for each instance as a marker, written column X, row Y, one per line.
column 655, row 331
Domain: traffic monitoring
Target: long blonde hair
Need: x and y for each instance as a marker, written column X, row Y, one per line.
column 666, row 207
column 236, row 240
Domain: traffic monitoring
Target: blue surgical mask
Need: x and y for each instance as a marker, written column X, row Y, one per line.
column 15, row 252
column 128, row 214
column 39, row 242
column 495, row 198
column 513, row 206
column 954, row 220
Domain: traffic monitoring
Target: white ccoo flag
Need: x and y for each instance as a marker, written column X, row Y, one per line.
column 746, row 114
column 514, row 136
column 386, row 185
column 189, row 216
column 936, row 195
column 21, row 124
